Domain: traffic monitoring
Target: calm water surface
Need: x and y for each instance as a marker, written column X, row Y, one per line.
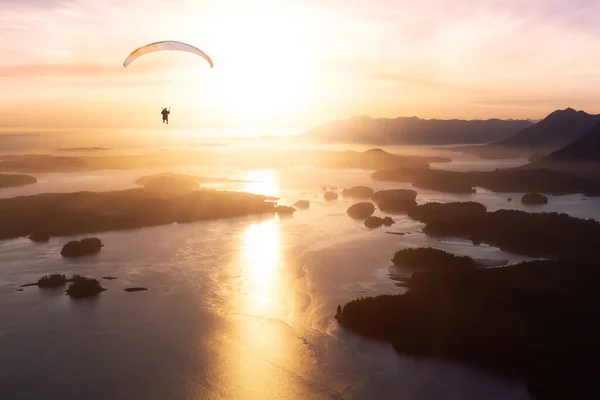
column 239, row 308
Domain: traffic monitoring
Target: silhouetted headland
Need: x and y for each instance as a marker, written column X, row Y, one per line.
column 536, row 322
column 39, row 237
column 532, row 234
column 427, row 258
column 511, row 180
column 80, row 248
column 368, row 160
column 8, row 180
column 68, row 214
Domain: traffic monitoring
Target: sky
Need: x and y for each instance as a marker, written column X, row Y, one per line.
column 293, row 64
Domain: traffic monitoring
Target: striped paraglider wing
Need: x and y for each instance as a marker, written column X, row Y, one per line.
column 168, row 45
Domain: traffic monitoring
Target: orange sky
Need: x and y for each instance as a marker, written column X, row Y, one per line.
column 295, row 63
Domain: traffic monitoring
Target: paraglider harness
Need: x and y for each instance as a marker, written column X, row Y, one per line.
column 165, row 114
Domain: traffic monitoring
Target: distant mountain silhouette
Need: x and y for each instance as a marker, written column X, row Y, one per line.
column 557, row 130
column 415, row 131
column 584, row 149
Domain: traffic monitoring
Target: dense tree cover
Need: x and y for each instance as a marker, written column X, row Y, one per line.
column 67, row 214
column 533, row 234
column 395, row 200
column 535, row 321
column 427, row 258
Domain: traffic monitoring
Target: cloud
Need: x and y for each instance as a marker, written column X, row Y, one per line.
column 57, row 70
column 440, row 53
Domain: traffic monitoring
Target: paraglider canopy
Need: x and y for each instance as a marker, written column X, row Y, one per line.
column 169, row 45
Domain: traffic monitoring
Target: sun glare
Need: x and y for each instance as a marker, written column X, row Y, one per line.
column 261, row 269
column 261, row 181
column 260, row 69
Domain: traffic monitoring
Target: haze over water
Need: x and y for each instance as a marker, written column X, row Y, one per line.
column 236, row 308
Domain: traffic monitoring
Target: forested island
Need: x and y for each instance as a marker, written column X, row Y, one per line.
column 536, row 322
column 68, row 214
column 523, row 180
column 532, row 234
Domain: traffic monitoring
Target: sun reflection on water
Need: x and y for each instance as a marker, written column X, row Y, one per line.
column 261, row 181
column 262, row 271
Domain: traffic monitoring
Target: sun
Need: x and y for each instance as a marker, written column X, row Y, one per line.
column 261, row 69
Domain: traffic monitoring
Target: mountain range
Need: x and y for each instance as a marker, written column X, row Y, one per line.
column 563, row 136
column 557, row 130
column 415, row 131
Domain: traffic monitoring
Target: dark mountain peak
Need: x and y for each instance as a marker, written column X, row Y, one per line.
column 585, row 149
column 567, row 112
column 557, row 130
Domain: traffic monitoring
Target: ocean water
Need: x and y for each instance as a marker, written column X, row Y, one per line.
column 238, row 308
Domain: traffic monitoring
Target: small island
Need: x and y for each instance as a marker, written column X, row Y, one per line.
column 79, row 287
column 285, row 210
column 377, row 222
column 15, row 180
column 360, row 192
column 330, row 196
column 39, row 237
column 135, row 289
column 84, row 287
column 50, row 281
column 84, row 247
column 361, row 210
column 534, row 199
column 302, row 204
